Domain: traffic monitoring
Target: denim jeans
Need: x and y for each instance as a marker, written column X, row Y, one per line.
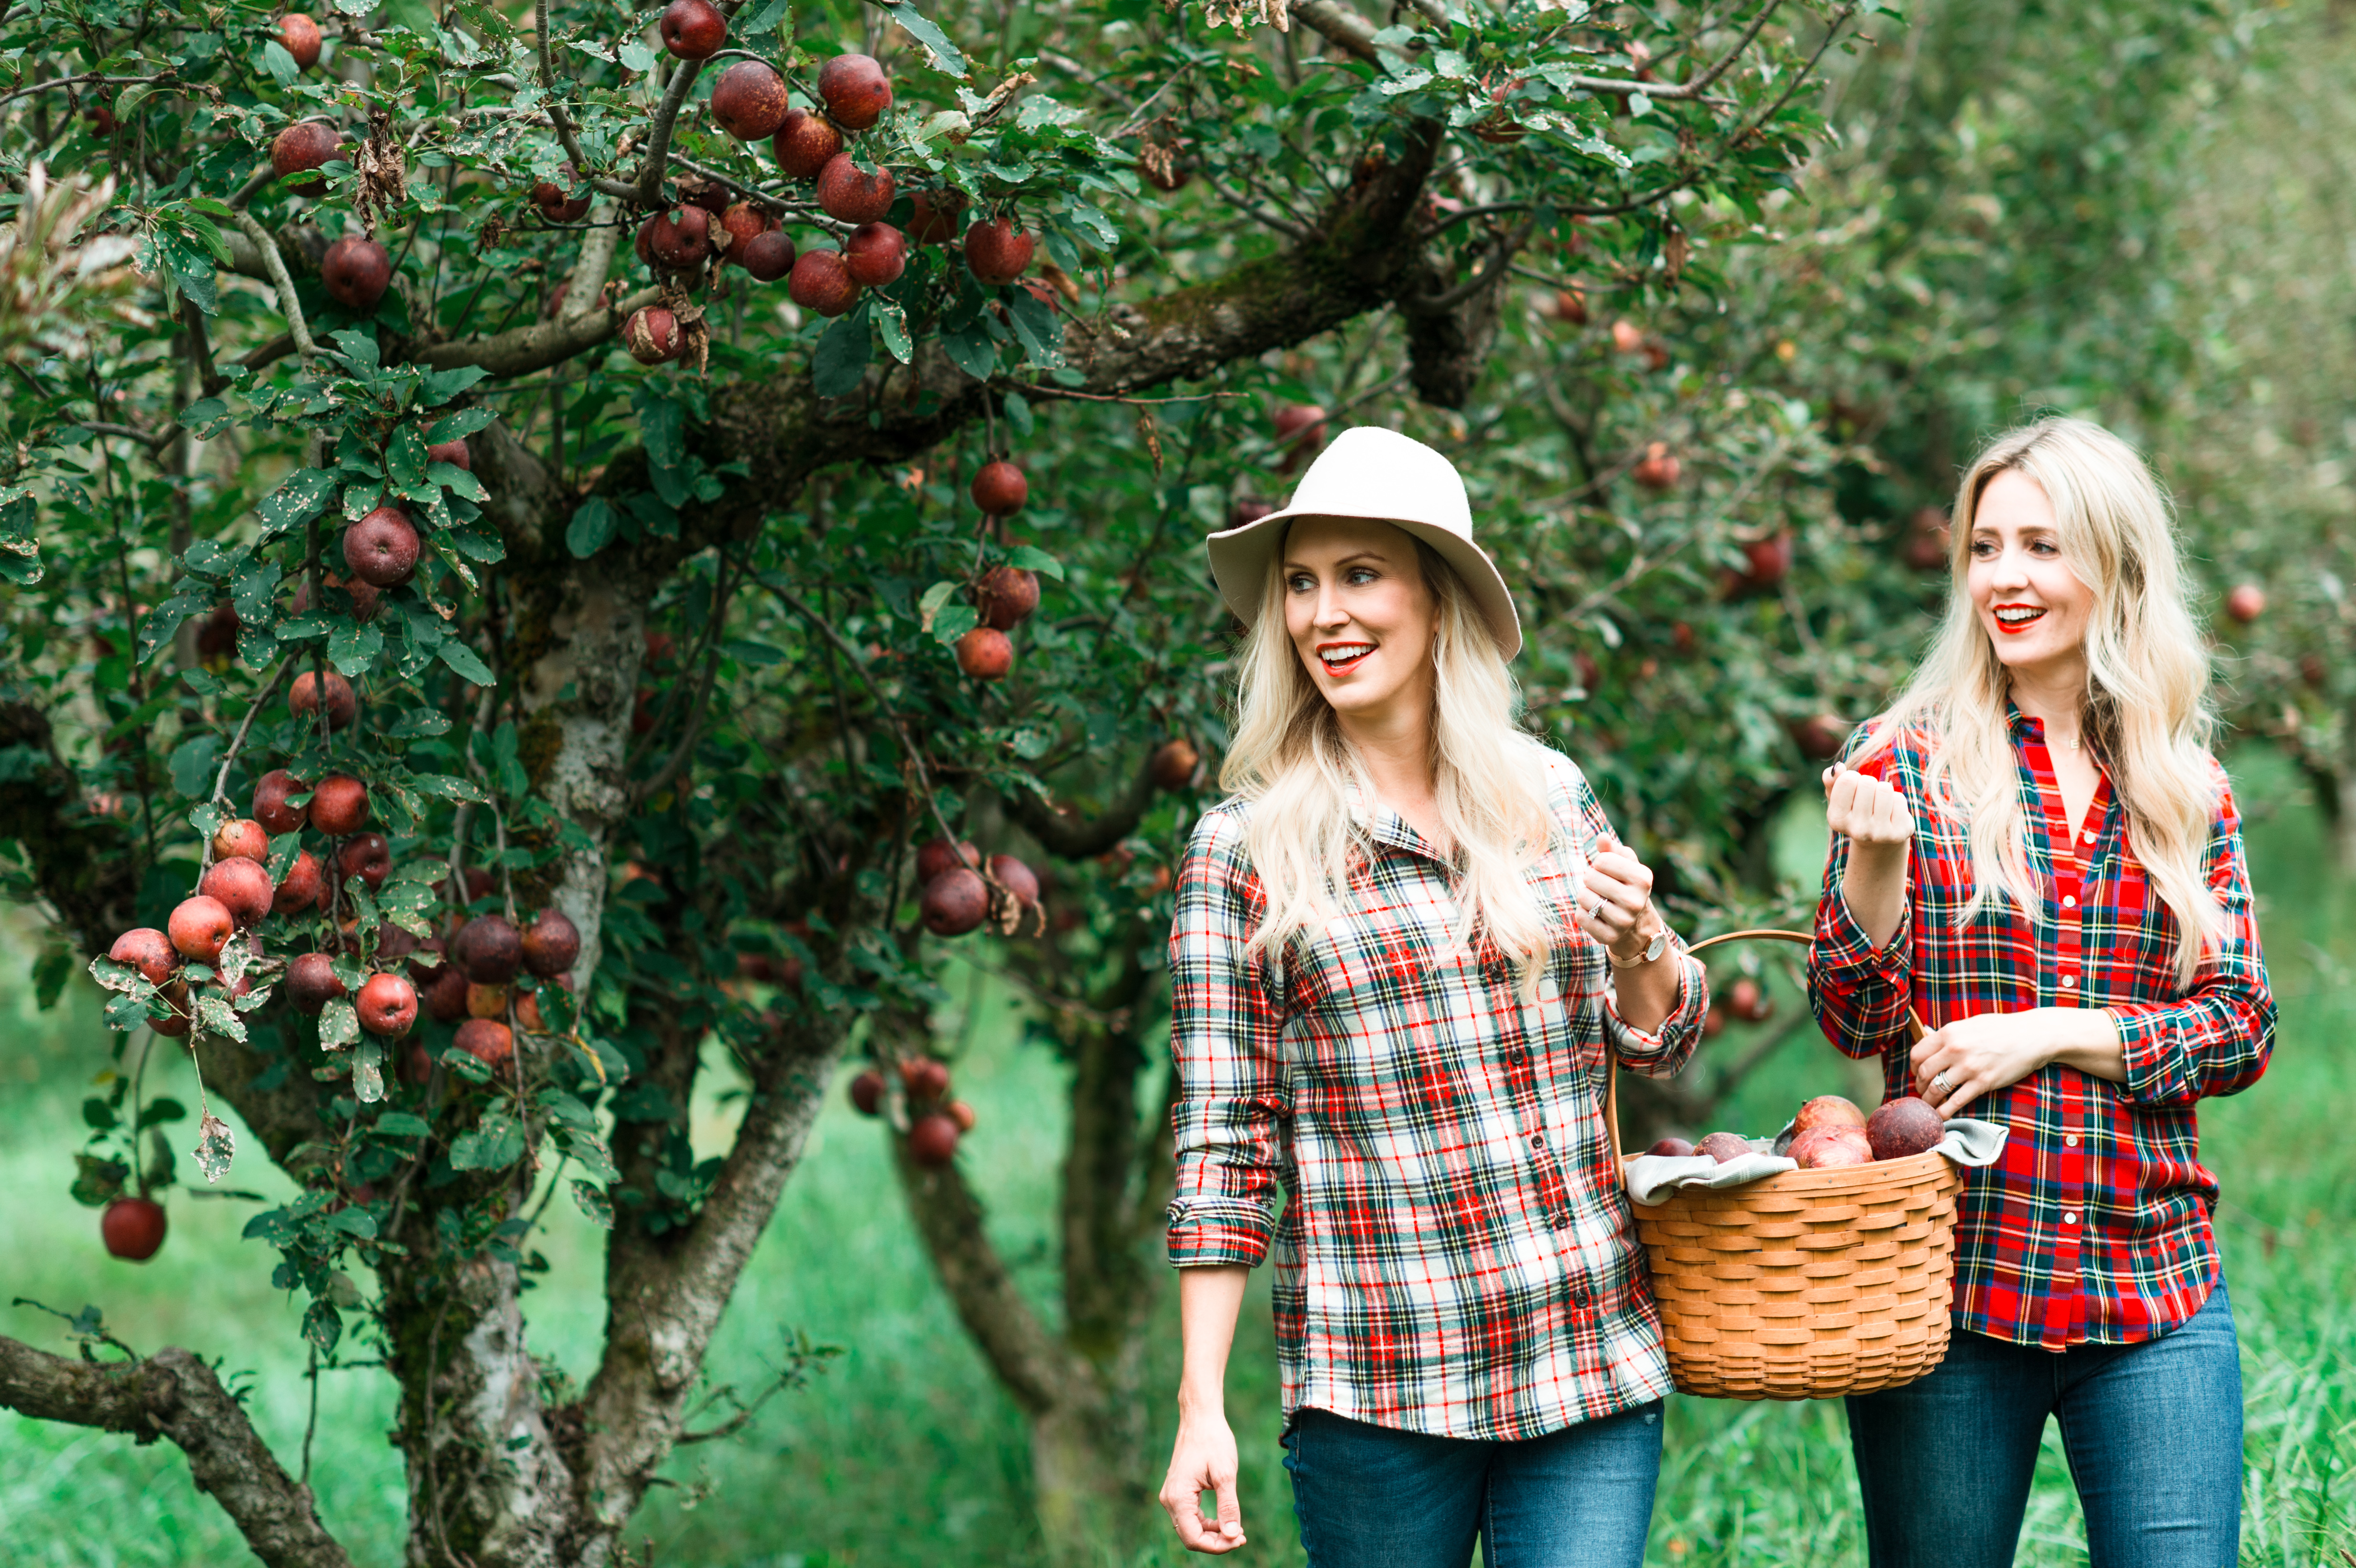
column 2153, row 1433
column 1368, row 1497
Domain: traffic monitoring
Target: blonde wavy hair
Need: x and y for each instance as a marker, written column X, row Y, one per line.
column 1290, row 758
column 2145, row 707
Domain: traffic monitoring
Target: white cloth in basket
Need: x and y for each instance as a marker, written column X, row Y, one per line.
column 1652, row 1177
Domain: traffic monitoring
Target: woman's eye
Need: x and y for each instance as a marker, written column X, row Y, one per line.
column 1983, row 549
column 1300, row 582
column 1359, row 576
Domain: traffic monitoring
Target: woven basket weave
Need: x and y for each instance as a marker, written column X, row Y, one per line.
column 1808, row 1284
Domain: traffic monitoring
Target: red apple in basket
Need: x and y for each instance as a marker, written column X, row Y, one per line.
column 1903, row 1128
column 1677, row 1149
column 1826, row 1111
column 1724, row 1146
column 1828, row 1149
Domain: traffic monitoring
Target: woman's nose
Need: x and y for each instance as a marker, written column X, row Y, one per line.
column 1330, row 609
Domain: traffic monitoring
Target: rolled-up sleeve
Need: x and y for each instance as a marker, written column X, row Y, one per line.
column 2217, row 1039
column 1861, row 993
column 1226, row 1042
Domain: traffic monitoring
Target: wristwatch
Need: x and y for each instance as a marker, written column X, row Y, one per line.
column 1653, row 949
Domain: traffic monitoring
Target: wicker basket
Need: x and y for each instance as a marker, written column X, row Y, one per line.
column 1807, row 1284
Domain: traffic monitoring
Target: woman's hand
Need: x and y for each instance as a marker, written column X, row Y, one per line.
column 1870, row 813
column 1616, row 908
column 1872, row 816
column 1957, row 1064
column 1203, row 1460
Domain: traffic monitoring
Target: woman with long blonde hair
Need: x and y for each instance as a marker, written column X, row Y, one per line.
column 1407, row 952
column 2035, row 850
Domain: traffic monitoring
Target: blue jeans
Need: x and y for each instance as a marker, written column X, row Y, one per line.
column 1368, row 1497
column 2153, row 1433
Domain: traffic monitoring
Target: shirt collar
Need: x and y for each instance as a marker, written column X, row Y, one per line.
column 1387, row 826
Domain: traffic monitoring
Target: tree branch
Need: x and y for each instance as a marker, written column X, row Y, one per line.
column 290, row 306
column 173, row 1394
column 1078, row 837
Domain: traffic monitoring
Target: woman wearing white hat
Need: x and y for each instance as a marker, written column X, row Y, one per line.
column 1408, row 951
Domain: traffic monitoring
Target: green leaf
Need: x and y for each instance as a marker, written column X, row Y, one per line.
column 401, row 1125
column 745, row 651
column 662, row 423
column 1018, row 412
column 971, row 350
column 954, row 621
column 1041, row 334
column 1031, row 558
column 323, row 1326
column 591, row 528
column 458, row 426
column 405, row 459
column 593, row 1204
column 278, row 63
column 440, row 386
column 192, row 764
column 892, row 323
column 352, row 647
column 842, row 356
column 937, row 43
column 466, row 662
column 297, row 499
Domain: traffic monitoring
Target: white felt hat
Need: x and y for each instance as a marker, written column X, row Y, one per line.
column 1370, row 472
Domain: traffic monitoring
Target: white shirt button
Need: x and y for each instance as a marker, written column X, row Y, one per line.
column 2085, row 838
column 2069, row 900
column 2069, row 982
column 2069, row 1216
column 2072, row 1140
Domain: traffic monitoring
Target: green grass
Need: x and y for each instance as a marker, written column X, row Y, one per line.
column 906, row 1452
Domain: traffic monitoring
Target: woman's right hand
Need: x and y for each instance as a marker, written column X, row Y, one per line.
column 1872, row 816
column 1203, row 1460
column 1870, row 812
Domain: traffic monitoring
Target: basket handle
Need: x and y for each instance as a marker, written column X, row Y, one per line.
column 1914, row 1029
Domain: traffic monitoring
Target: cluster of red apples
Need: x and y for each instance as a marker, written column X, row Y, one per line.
column 750, row 102
column 1830, row 1132
column 935, row 1122
column 465, row 977
column 955, row 897
column 1005, row 596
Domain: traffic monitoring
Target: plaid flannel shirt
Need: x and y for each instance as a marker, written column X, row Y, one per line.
column 1457, row 1255
column 2094, row 1224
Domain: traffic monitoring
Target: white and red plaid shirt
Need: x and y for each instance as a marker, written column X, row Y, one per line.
column 1458, row 1255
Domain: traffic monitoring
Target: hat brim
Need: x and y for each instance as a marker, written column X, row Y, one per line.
column 1240, row 559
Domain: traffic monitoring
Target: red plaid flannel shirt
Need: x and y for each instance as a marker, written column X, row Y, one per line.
column 1457, row 1255
column 2094, row 1225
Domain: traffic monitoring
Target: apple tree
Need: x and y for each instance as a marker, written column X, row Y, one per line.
column 535, row 538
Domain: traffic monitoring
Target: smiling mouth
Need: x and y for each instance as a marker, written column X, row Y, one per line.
column 2018, row 618
column 1341, row 658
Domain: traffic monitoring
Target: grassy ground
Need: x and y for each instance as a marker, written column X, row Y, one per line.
column 905, row 1452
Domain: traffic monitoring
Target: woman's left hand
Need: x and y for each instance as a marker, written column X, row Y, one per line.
column 1957, row 1064
column 1617, row 905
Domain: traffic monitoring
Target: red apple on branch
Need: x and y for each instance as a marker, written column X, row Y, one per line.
column 1006, row 596
column 301, row 886
column 1174, row 763
column 822, row 282
column 693, row 29
column 933, row 1139
column 201, row 927
column 311, row 982
column 133, row 1228
column 299, row 36
column 487, row 1040
column 552, row 944
column 652, row 334
column 985, row 654
column 805, row 143
column 852, row 194
column 1000, row 488
column 997, row 250
column 147, row 950
column 955, row 902
column 768, row 255
column 876, row 254
column 2246, row 602
column 355, row 272
column 302, row 698
column 339, row 806
column 387, row 1005
column 856, row 91
column 749, row 100
column 937, row 855
column 243, row 887
column 381, row 548
column 365, row 858
column 240, row 838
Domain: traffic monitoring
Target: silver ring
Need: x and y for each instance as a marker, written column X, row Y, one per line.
column 1939, row 1082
